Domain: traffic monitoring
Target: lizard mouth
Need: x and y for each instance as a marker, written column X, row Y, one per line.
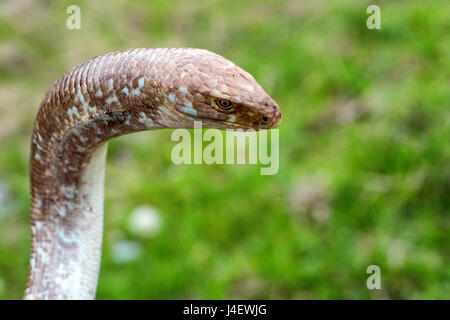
column 261, row 124
column 245, row 126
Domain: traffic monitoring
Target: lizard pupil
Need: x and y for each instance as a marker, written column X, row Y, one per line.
column 224, row 104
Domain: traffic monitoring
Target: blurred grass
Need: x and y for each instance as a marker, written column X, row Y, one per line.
column 364, row 150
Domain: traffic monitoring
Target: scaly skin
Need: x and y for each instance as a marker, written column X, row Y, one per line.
column 108, row 96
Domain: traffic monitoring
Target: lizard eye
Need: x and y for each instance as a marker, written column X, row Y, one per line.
column 223, row 104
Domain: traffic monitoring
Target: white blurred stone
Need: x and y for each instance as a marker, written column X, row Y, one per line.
column 125, row 251
column 396, row 253
column 144, row 221
column 311, row 196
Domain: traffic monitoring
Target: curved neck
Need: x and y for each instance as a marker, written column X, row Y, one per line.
column 66, row 246
column 67, row 183
column 67, row 187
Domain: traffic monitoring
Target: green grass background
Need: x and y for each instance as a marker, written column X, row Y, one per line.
column 364, row 150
